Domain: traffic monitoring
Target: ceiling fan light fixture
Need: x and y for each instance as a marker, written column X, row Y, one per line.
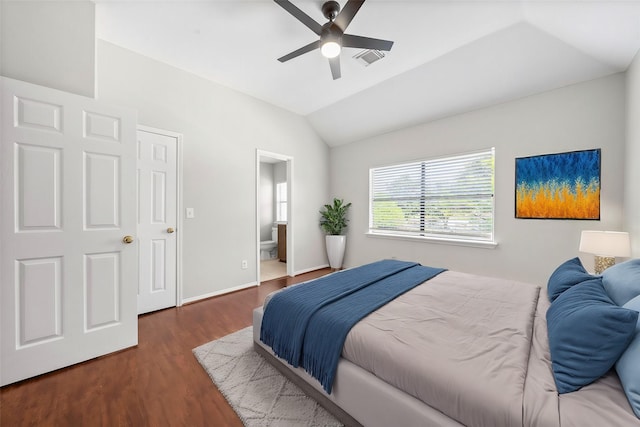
column 330, row 49
column 332, row 36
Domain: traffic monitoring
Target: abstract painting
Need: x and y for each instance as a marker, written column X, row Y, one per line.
column 559, row 186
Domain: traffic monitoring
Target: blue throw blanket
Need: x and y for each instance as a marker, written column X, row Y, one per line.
column 308, row 324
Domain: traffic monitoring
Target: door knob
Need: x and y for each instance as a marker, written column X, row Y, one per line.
column 127, row 239
column 170, row 230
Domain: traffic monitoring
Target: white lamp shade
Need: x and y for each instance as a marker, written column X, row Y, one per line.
column 605, row 243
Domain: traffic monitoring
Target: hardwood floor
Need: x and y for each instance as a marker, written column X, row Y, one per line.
column 157, row 383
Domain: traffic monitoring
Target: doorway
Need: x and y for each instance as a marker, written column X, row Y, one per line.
column 274, row 215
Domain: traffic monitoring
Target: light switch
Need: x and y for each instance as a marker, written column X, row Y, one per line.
column 190, row 213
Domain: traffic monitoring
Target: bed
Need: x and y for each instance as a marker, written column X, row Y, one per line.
column 461, row 349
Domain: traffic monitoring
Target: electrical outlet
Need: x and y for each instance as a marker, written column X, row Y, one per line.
column 245, row 264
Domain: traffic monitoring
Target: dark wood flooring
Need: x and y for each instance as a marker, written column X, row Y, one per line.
column 157, row 383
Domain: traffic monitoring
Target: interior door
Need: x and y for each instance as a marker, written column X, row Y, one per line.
column 157, row 213
column 68, row 279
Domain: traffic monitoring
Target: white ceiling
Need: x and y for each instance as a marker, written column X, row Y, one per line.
column 449, row 56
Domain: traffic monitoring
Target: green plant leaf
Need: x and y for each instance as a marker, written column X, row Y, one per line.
column 333, row 217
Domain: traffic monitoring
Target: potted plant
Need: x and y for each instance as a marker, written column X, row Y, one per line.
column 333, row 221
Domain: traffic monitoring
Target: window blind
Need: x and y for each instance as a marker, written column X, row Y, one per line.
column 450, row 198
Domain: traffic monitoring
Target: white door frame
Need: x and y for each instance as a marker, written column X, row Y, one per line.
column 179, row 209
column 290, row 215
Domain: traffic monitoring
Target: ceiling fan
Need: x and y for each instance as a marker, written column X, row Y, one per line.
column 332, row 36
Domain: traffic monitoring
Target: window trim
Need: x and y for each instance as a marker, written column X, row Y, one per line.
column 485, row 244
column 488, row 243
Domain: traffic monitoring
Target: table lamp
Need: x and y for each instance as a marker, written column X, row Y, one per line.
column 606, row 246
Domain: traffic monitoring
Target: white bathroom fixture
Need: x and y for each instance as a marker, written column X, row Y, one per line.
column 268, row 247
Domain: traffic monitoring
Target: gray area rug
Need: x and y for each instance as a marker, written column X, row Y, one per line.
column 258, row 393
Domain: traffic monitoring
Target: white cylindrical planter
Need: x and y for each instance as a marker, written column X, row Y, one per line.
column 335, row 250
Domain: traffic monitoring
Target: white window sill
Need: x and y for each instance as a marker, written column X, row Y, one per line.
column 425, row 239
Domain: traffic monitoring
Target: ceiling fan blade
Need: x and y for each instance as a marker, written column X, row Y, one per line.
column 300, row 16
column 304, row 49
column 349, row 40
column 334, row 63
column 347, row 13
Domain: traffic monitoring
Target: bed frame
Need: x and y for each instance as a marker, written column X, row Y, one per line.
column 359, row 398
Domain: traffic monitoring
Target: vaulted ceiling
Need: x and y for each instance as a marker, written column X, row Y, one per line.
column 449, row 57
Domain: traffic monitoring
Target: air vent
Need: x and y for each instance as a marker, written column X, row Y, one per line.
column 368, row 57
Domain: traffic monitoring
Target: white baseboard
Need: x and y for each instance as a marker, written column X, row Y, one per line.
column 220, row 292
column 306, row 270
column 245, row 286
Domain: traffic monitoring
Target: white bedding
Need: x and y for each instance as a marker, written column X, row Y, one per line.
column 459, row 343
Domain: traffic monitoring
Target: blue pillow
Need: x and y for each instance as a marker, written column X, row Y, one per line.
column 568, row 274
column 628, row 366
column 622, row 281
column 587, row 334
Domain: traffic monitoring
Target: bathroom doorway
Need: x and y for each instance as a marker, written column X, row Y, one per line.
column 274, row 216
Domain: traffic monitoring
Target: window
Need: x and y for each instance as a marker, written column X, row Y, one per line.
column 446, row 198
column 281, row 201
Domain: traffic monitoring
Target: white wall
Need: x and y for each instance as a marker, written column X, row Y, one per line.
column 632, row 170
column 582, row 116
column 280, row 172
column 267, row 200
column 222, row 129
column 49, row 43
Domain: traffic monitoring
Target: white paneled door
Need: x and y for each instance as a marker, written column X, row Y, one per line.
column 68, row 277
column 157, row 213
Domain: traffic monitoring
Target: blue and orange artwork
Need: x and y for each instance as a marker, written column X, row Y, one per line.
column 559, row 186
